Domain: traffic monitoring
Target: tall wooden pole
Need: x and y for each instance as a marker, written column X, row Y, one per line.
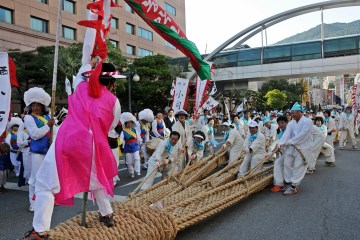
column 56, row 57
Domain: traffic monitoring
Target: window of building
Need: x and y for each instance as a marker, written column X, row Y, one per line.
column 114, row 43
column 128, row 8
column 69, row 33
column 114, row 23
column 130, row 49
column 6, row 15
column 69, row 6
column 144, row 52
column 42, row 1
column 170, row 9
column 130, row 28
column 39, row 24
column 169, row 45
column 143, row 33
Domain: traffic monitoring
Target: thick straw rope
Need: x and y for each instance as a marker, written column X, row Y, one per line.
column 180, row 209
column 130, row 223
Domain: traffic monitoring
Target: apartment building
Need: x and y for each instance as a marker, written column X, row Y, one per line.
column 27, row 24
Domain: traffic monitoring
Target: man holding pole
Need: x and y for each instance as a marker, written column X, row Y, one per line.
column 165, row 155
column 80, row 159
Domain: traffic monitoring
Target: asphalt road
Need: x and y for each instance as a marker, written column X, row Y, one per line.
column 326, row 207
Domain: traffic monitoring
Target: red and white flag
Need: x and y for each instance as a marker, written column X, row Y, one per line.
column 209, row 104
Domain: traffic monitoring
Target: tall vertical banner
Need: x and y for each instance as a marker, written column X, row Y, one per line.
column 5, row 91
column 342, row 91
column 357, row 95
column 200, row 89
column 180, row 94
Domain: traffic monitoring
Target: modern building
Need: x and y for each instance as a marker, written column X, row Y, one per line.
column 27, row 24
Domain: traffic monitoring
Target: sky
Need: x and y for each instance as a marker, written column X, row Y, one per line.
column 209, row 23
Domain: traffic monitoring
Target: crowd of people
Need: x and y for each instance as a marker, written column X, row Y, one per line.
column 81, row 153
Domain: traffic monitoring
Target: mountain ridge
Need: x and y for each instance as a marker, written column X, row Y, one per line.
column 330, row 30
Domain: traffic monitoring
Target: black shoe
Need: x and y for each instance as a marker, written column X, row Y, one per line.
column 107, row 220
column 32, row 235
column 329, row 164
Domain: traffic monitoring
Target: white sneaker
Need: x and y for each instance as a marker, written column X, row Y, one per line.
column 354, row 147
column 31, row 209
column 132, row 175
column 291, row 191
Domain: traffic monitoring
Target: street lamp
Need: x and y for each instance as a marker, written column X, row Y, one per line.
column 135, row 78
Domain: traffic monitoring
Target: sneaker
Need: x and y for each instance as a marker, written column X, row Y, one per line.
column 310, row 171
column 145, row 166
column 291, row 190
column 107, row 220
column 32, row 235
column 329, row 164
column 277, row 188
column 132, row 175
column 354, row 147
column 138, row 174
column 341, row 148
column 31, row 209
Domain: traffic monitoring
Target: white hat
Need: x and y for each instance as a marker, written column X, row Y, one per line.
column 228, row 124
column 37, row 95
column 181, row 112
column 126, row 117
column 14, row 121
column 253, row 124
column 146, row 115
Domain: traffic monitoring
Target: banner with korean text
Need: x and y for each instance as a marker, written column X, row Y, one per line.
column 5, row 91
column 180, row 94
column 209, row 104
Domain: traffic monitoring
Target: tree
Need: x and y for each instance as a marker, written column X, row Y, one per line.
column 35, row 68
column 153, row 89
column 276, row 99
column 331, row 85
column 253, row 97
column 293, row 91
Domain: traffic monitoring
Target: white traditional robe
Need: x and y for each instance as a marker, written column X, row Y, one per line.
column 299, row 135
column 158, row 156
column 236, row 145
column 255, row 153
column 346, row 122
column 184, row 130
column 331, row 130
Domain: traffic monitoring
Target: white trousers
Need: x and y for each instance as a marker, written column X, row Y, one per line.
column 144, row 152
column 250, row 161
column 279, row 171
column 315, row 154
column 331, row 138
column 15, row 163
column 36, row 161
column 27, row 163
column 294, row 167
column 344, row 136
column 44, row 206
column 234, row 154
column 151, row 166
column 47, row 184
column 328, row 152
column 115, row 152
column 133, row 162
